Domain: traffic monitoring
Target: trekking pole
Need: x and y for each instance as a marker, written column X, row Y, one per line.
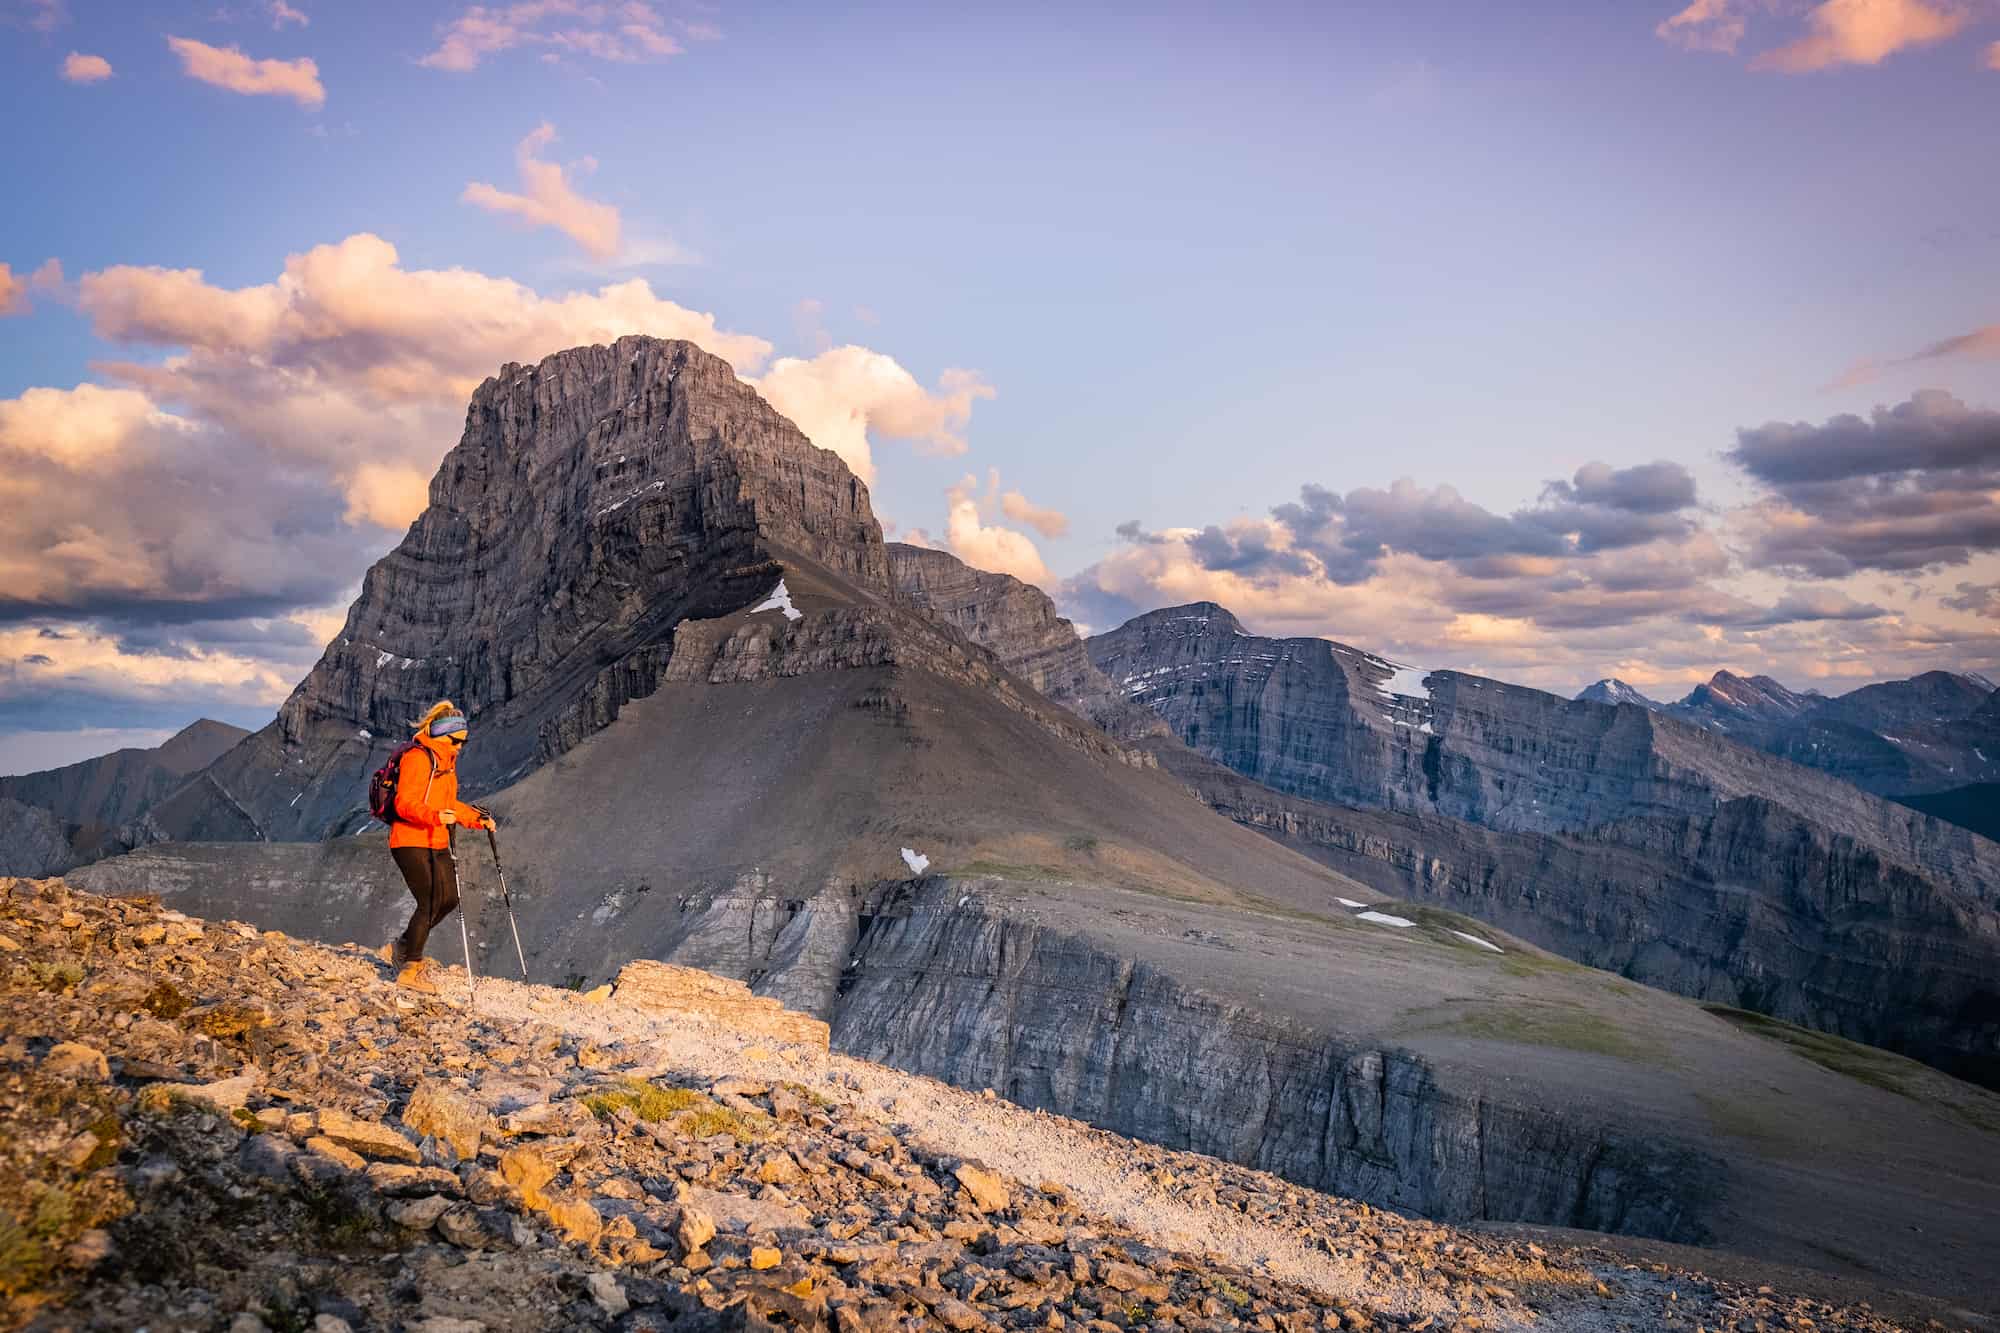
column 464, row 939
column 507, row 898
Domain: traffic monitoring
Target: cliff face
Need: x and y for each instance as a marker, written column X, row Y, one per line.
column 1020, row 625
column 595, row 500
column 1333, row 724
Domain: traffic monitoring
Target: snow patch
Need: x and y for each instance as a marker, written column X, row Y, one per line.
column 1349, row 902
column 614, row 508
column 1407, row 681
column 1474, row 939
column 1384, row 919
column 915, row 860
column 781, row 600
column 365, row 734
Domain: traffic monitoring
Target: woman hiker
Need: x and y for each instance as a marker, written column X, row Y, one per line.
column 427, row 806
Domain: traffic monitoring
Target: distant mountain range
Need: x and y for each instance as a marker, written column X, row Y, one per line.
column 1928, row 736
column 61, row 817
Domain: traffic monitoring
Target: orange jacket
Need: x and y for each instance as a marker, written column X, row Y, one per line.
column 426, row 787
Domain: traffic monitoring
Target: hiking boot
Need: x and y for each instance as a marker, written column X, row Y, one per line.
column 392, row 953
column 413, row 977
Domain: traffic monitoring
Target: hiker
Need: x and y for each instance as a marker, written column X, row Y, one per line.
column 426, row 808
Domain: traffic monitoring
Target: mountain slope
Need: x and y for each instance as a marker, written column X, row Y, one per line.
column 89, row 806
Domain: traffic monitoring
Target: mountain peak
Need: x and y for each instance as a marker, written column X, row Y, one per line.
column 1611, row 690
column 1191, row 619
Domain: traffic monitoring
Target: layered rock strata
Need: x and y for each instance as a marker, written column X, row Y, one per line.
column 595, row 500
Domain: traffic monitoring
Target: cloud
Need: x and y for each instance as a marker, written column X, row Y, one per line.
column 46, row 15
column 619, row 31
column 1600, row 509
column 1981, row 599
column 1797, row 606
column 1049, row 522
column 282, row 13
column 843, row 394
column 227, row 67
column 80, row 68
column 1863, row 32
column 309, row 415
column 985, row 545
column 551, row 200
column 1992, row 58
column 1910, row 487
column 1705, row 25
column 13, row 292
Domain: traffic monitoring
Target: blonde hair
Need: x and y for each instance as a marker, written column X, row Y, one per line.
column 442, row 708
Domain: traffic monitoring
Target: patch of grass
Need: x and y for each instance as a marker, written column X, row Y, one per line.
column 27, row 1242
column 689, row 1112
column 1517, row 964
column 1081, row 843
column 1873, row 1066
column 1227, row 1290
column 1738, row 1120
column 1557, row 1024
column 1008, row 870
column 165, row 1001
column 648, row 1101
column 57, row 977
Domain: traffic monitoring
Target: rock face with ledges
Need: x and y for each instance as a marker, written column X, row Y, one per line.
column 596, row 500
column 1018, row 622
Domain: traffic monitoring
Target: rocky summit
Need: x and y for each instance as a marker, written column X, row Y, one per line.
column 209, row 1126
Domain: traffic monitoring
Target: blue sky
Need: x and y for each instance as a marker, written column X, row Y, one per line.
column 1201, row 257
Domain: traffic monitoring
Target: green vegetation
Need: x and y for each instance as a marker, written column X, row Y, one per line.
column 1226, row 1289
column 1555, row 1023
column 28, row 1242
column 1007, row 870
column 164, row 1001
column 56, row 977
column 1872, row 1065
column 689, row 1112
column 1082, row 843
column 1739, row 1120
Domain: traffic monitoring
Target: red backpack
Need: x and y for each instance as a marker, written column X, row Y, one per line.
column 382, row 787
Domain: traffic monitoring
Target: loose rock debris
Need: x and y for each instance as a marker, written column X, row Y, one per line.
column 208, row 1127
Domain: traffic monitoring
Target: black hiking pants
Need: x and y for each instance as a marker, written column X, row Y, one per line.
column 433, row 879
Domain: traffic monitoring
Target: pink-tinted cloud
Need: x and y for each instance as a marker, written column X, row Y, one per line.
column 282, row 13
column 80, row 68
column 14, row 287
column 984, row 544
column 47, row 15
column 1705, row 25
column 1992, row 58
column 1048, row 522
column 621, row 31
column 1979, row 344
column 227, row 67
column 550, row 199
column 841, row 396
column 1863, row 32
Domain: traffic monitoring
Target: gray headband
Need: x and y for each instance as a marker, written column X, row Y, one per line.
column 452, row 724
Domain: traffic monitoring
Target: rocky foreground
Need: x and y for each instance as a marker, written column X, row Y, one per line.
column 204, row 1126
